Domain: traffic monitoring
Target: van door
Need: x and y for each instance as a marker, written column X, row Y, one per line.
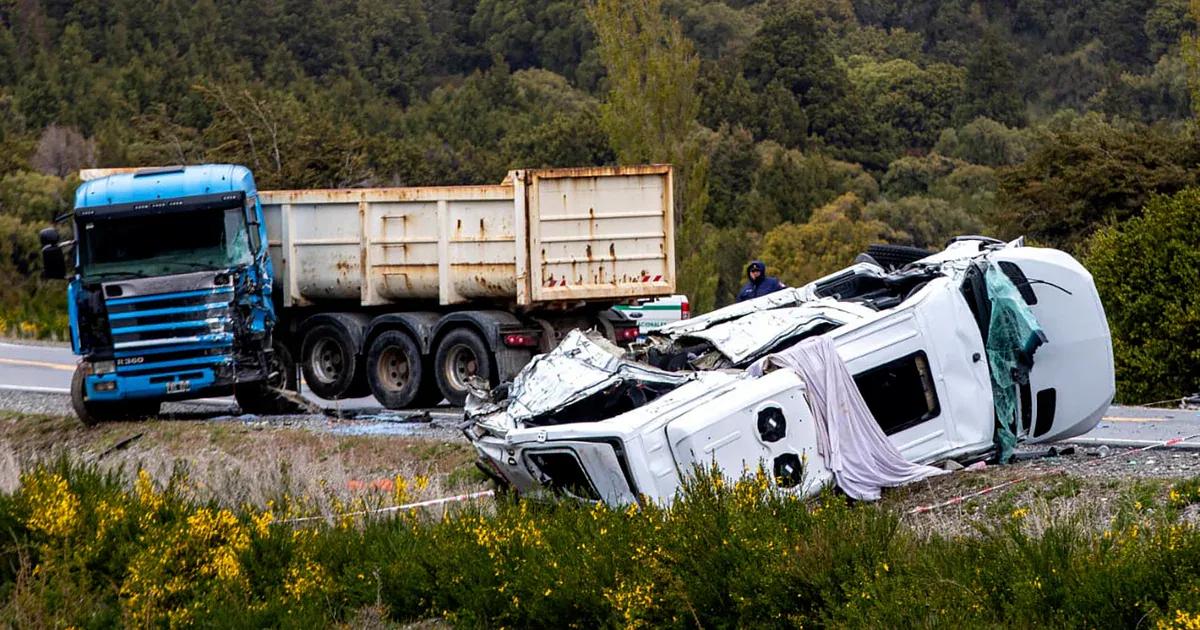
column 923, row 373
column 1072, row 381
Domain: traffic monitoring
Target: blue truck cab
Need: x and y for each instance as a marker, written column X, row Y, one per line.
column 170, row 297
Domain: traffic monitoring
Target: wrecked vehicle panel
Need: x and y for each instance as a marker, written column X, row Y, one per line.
column 701, row 422
column 914, row 341
column 747, row 338
column 1071, row 382
column 562, row 382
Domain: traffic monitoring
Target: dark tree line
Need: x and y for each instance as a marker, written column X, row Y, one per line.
column 830, row 124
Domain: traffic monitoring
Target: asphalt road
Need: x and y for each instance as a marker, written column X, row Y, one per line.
column 48, row 369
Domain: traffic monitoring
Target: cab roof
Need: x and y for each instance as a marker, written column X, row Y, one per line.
column 164, row 183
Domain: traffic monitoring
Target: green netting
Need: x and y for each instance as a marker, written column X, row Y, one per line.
column 1013, row 336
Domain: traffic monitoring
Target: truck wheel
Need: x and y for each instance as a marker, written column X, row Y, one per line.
column 330, row 366
column 263, row 398
column 461, row 355
column 395, row 370
column 92, row 413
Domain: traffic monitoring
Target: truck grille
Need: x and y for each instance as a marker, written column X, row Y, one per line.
column 170, row 332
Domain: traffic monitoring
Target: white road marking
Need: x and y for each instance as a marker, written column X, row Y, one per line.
column 35, row 388
column 1100, row 441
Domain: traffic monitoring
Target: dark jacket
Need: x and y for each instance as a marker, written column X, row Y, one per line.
column 765, row 284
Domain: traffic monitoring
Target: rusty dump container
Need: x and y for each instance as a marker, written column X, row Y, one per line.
column 539, row 237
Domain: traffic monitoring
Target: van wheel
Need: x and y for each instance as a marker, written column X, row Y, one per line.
column 396, row 371
column 330, row 365
column 92, row 413
column 460, row 355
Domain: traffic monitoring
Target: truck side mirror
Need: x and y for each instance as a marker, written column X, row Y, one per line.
column 49, row 236
column 54, row 265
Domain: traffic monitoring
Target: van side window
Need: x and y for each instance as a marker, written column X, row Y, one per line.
column 900, row 393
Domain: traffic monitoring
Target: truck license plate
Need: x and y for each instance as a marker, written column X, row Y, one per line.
column 174, row 387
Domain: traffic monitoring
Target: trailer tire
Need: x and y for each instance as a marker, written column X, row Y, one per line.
column 262, row 397
column 460, row 355
column 896, row 256
column 396, row 371
column 92, row 413
column 330, row 363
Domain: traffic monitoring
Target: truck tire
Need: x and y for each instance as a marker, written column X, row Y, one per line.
column 329, row 361
column 263, row 398
column 396, row 372
column 93, row 413
column 896, row 256
column 460, row 355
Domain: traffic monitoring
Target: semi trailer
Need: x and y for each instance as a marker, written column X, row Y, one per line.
column 188, row 282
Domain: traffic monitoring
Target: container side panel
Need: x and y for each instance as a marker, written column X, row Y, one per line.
column 601, row 237
column 403, row 242
column 482, row 249
column 272, row 214
column 327, row 250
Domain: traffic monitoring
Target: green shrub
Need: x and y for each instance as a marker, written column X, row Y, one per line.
column 1147, row 270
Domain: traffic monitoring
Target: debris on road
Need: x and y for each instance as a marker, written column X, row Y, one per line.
column 956, row 356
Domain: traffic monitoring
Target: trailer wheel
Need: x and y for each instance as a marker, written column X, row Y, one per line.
column 92, row 413
column 461, row 354
column 330, row 365
column 395, row 370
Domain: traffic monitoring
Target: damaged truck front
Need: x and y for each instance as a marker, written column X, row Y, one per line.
column 958, row 356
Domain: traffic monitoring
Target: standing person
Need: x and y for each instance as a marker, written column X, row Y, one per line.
column 759, row 283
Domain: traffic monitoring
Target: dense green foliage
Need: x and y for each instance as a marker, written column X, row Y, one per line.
column 829, row 124
column 87, row 549
column 1148, row 273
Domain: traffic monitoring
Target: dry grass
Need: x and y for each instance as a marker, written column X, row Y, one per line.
column 235, row 463
column 1090, row 491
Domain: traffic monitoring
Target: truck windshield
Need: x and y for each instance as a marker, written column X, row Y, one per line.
column 155, row 245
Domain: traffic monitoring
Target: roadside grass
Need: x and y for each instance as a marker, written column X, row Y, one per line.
column 88, row 546
column 231, row 463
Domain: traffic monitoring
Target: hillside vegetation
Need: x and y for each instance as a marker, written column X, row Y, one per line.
column 802, row 130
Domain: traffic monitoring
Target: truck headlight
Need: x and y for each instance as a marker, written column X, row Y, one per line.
column 103, row 367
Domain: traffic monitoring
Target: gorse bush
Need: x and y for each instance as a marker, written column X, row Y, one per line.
column 93, row 549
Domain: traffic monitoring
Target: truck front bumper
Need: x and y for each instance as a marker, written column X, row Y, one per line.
column 183, row 383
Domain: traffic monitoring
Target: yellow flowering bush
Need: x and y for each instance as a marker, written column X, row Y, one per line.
column 53, row 508
column 726, row 553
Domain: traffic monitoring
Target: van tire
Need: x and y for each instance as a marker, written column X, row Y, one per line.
column 461, row 354
column 896, row 256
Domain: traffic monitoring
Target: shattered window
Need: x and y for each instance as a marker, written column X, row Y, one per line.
column 562, row 472
column 900, row 393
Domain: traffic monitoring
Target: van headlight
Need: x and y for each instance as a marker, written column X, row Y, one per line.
column 103, row 367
